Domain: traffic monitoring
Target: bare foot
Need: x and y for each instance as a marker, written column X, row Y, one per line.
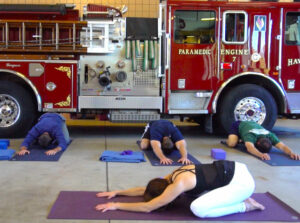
column 252, row 205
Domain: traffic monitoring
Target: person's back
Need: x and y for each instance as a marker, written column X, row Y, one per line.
column 49, row 122
column 54, row 127
column 250, row 126
column 161, row 128
column 251, row 131
column 257, row 139
column 164, row 131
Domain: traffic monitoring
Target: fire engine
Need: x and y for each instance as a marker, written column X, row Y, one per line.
column 213, row 61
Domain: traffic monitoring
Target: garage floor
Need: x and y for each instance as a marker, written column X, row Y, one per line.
column 28, row 189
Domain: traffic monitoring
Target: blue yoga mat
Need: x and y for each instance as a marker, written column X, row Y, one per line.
column 37, row 153
column 6, row 154
column 278, row 157
column 6, row 141
column 118, row 156
column 175, row 156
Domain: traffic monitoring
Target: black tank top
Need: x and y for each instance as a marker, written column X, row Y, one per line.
column 209, row 176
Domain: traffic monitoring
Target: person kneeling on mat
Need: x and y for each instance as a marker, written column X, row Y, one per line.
column 51, row 128
column 162, row 135
column 229, row 185
column 258, row 140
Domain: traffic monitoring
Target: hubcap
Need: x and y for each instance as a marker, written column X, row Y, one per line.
column 250, row 109
column 9, row 110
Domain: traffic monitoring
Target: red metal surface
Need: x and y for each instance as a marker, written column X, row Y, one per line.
column 290, row 58
column 101, row 8
column 197, row 69
column 71, row 15
column 63, row 75
column 200, row 71
column 22, row 68
column 203, row 71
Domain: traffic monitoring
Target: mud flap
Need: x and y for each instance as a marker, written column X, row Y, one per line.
column 208, row 124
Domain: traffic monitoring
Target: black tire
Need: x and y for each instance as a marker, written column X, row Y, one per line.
column 247, row 102
column 18, row 111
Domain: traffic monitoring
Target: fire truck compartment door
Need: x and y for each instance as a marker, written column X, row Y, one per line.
column 193, row 48
column 291, row 58
column 59, row 86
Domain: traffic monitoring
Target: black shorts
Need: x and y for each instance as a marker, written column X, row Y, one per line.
column 146, row 134
column 234, row 130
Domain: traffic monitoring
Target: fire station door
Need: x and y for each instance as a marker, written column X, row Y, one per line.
column 290, row 59
column 60, row 86
column 193, row 59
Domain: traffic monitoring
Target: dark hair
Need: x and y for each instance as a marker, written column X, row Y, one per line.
column 263, row 144
column 155, row 188
column 44, row 140
column 167, row 145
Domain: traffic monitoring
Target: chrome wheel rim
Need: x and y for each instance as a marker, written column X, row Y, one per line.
column 250, row 109
column 9, row 110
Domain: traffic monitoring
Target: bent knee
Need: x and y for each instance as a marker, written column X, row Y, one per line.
column 231, row 144
column 144, row 144
column 198, row 210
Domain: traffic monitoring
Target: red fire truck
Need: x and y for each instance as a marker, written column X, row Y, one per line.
column 214, row 61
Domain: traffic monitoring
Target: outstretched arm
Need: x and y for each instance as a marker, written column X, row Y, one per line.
column 136, row 191
column 30, row 137
column 254, row 151
column 287, row 150
column 170, row 193
column 181, row 146
column 156, row 146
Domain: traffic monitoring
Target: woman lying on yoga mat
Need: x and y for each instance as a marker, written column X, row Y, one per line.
column 229, row 185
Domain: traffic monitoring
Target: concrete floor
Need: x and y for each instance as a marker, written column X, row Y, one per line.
column 29, row 189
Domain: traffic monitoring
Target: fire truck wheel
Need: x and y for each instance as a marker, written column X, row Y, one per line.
column 248, row 102
column 17, row 110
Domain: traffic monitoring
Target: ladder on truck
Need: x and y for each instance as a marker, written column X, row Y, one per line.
column 41, row 36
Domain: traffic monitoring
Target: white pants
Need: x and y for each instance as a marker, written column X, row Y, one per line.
column 228, row 199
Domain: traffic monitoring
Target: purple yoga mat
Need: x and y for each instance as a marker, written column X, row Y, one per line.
column 80, row 205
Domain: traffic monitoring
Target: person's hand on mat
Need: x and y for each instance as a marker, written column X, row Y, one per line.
column 265, row 156
column 295, row 156
column 109, row 194
column 23, row 151
column 111, row 206
column 52, row 152
column 166, row 161
column 184, row 161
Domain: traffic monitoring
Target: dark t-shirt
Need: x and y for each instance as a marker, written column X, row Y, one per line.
column 156, row 130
